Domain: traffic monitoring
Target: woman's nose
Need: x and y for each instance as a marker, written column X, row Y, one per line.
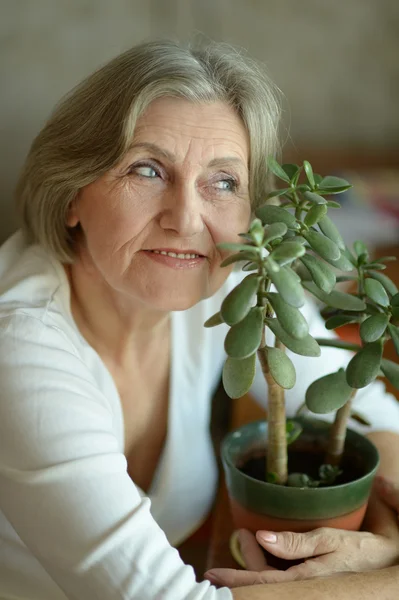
column 182, row 211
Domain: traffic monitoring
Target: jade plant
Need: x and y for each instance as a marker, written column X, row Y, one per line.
column 292, row 247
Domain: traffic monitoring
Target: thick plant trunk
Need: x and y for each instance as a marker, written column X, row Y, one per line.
column 277, row 437
column 336, row 442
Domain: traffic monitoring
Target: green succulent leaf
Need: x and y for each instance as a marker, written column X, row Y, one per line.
column 394, row 333
column 238, row 375
column 281, row 192
column 256, row 231
column 337, row 343
column 244, row 339
column 343, row 263
column 364, row 367
column 274, row 231
column 231, row 246
column 336, row 299
column 322, row 245
column 246, row 236
column 333, row 204
column 271, row 265
column 371, row 308
column 360, row 249
column 334, row 185
column 391, row 371
column 373, row 328
column 339, row 320
column 374, row 266
column 237, row 303
column 277, row 169
column 315, row 214
column 328, row 393
column 314, row 198
column 341, row 278
column 395, row 300
column 389, row 285
column 332, row 181
column 309, row 173
column 297, row 238
column 290, row 318
column 275, row 214
column 281, row 368
column 387, row 258
column 317, row 178
column 320, row 272
column 250, row 266
column 240, row 257
column 293, row 431
column 360, row 418
column 288, row 285
column 299, row 480
column 330, row 230
column 302, row 188
column 272, row 477
column 214, row 320
column 291, row 170
column 305, row 347
column 329, row 473
column 376, row 292
column 286, row 252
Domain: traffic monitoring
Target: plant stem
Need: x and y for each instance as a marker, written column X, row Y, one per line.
column 277, row 437
column 336, row 442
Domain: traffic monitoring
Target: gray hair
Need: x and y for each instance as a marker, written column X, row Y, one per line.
column 91, row 129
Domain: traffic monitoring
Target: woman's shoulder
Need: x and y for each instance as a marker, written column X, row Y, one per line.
column 37, row 332
column 31, row 281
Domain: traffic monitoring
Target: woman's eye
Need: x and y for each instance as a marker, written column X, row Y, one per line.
column 226, row 185
column 145, row 171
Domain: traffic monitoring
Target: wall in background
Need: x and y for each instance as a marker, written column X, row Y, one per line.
column 336, row 62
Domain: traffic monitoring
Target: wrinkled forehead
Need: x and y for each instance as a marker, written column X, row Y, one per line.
column 203, row 132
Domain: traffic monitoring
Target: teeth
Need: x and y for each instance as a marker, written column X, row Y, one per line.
column 174, row 255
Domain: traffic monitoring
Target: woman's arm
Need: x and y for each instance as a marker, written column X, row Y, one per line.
column 64, row 486
column 379, row 517
column 381, row 585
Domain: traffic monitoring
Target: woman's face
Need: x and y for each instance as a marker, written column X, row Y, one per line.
column 151, row 224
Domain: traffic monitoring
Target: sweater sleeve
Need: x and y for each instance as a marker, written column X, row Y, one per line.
column 373, row 402
column 64, row 485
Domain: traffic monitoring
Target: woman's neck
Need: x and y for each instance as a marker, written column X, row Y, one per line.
column 116, row 327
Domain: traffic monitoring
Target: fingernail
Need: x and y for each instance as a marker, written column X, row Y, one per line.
column 271, row 538
column 212, row 578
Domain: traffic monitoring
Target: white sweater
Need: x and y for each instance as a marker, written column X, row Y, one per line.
column 72, row 523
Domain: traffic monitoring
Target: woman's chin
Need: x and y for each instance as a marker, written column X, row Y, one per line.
column 171, row 304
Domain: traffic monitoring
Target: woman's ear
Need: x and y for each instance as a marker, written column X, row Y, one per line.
column 72, row 218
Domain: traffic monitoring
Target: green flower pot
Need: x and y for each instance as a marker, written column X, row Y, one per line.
column 257, row 504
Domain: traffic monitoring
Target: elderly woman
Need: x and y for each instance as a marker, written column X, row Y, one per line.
column 106, row 370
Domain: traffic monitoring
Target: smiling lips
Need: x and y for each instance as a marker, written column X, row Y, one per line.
column 188, row 254
column 175, row 259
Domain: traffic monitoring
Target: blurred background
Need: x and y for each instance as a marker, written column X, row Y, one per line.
column 337, row 64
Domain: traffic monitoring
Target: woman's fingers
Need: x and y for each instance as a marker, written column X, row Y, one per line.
column 388, row 491
column 251, row 551
column 289, row 545
column 233, row 577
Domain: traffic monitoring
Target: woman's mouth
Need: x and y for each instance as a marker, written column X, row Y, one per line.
column 176, row 260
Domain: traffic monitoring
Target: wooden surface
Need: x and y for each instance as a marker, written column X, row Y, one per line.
column 244, row 411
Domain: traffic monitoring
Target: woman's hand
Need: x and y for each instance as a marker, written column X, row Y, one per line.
column 389, row 492
column 325, row 551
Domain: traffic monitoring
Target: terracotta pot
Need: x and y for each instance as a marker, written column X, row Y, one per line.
column 257, row 504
